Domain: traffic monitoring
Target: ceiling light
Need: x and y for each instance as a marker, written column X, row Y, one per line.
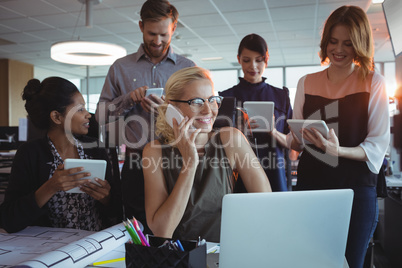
column 212, row 58
column 377, row 1
column 86, row 53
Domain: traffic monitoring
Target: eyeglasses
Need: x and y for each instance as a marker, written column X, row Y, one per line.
column 196, row 104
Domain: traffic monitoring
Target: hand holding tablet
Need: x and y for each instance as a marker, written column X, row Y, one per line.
column 97, row 168
column 297, row 125
column 262, row 112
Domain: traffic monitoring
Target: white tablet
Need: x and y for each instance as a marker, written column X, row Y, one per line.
column 97, row 168
column 262, row 112
column 297, row 125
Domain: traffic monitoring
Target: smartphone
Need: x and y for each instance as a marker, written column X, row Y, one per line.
column 173, row 112
column 156, row 91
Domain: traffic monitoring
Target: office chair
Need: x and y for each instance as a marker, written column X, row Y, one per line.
column 227, row 113
column 228, row 116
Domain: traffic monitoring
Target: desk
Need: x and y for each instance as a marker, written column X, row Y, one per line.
column 389, row 231
column 45, row 247
column 6, row 161
column 394, row 181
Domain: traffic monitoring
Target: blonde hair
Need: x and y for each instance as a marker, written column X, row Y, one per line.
column 174, row 88
column 355, row 19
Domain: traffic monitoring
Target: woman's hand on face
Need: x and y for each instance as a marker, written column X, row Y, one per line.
column 329, row 146
column 99, row 192
column 185, row 136
column 66, row 179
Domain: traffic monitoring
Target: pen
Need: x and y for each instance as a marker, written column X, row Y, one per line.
column 132, row 234
column 138, row 229
column 108, row 261
column 179, row 245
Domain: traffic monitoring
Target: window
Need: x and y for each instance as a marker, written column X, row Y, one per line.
column 390, row 78
column 95, row 89
column 224, row 79
column 293, row 74
column 274, row 76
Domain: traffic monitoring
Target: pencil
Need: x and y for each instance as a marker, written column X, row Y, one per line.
column 140, row 233
column 129, row 223
column 132, row 233
column 108, row 261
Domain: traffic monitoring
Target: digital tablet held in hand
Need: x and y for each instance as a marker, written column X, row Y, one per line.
column 298, row 124
column 262, row 112
column 97, row 168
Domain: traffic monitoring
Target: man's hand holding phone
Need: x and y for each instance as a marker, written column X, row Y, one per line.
column 151, row 103
column 149, row 98
column 138, row 94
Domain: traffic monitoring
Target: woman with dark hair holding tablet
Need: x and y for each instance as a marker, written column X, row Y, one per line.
column 253, row 58
column 351, row 98
column 36, row 194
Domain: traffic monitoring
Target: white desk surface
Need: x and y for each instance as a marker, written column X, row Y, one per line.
column 394, row 180
column 41, row 243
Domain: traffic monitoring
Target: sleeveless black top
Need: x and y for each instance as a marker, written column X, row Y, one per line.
column 348, row 116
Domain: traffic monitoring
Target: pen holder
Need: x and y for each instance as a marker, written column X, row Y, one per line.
column 155, row 256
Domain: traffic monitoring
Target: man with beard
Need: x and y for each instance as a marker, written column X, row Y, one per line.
column 124, row 95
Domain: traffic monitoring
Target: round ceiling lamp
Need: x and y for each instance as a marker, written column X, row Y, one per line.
column 86, row 52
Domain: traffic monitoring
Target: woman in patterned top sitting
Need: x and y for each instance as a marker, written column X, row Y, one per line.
column 36, row 194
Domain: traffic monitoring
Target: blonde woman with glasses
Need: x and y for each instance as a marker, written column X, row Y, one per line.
column 191, row 167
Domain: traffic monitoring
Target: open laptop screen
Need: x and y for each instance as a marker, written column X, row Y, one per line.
column 285, row 229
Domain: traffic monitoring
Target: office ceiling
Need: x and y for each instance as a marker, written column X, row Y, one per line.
column 207, row 28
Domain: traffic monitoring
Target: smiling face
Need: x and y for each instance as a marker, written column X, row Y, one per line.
column 253, row 65
column 205, row 117
column 76, row 118
column 157, row 36
column 340, row 48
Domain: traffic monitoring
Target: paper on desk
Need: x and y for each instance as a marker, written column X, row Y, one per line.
column 213, row 248
column 59, row 247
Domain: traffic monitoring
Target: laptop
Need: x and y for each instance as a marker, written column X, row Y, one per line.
column 285, row 229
